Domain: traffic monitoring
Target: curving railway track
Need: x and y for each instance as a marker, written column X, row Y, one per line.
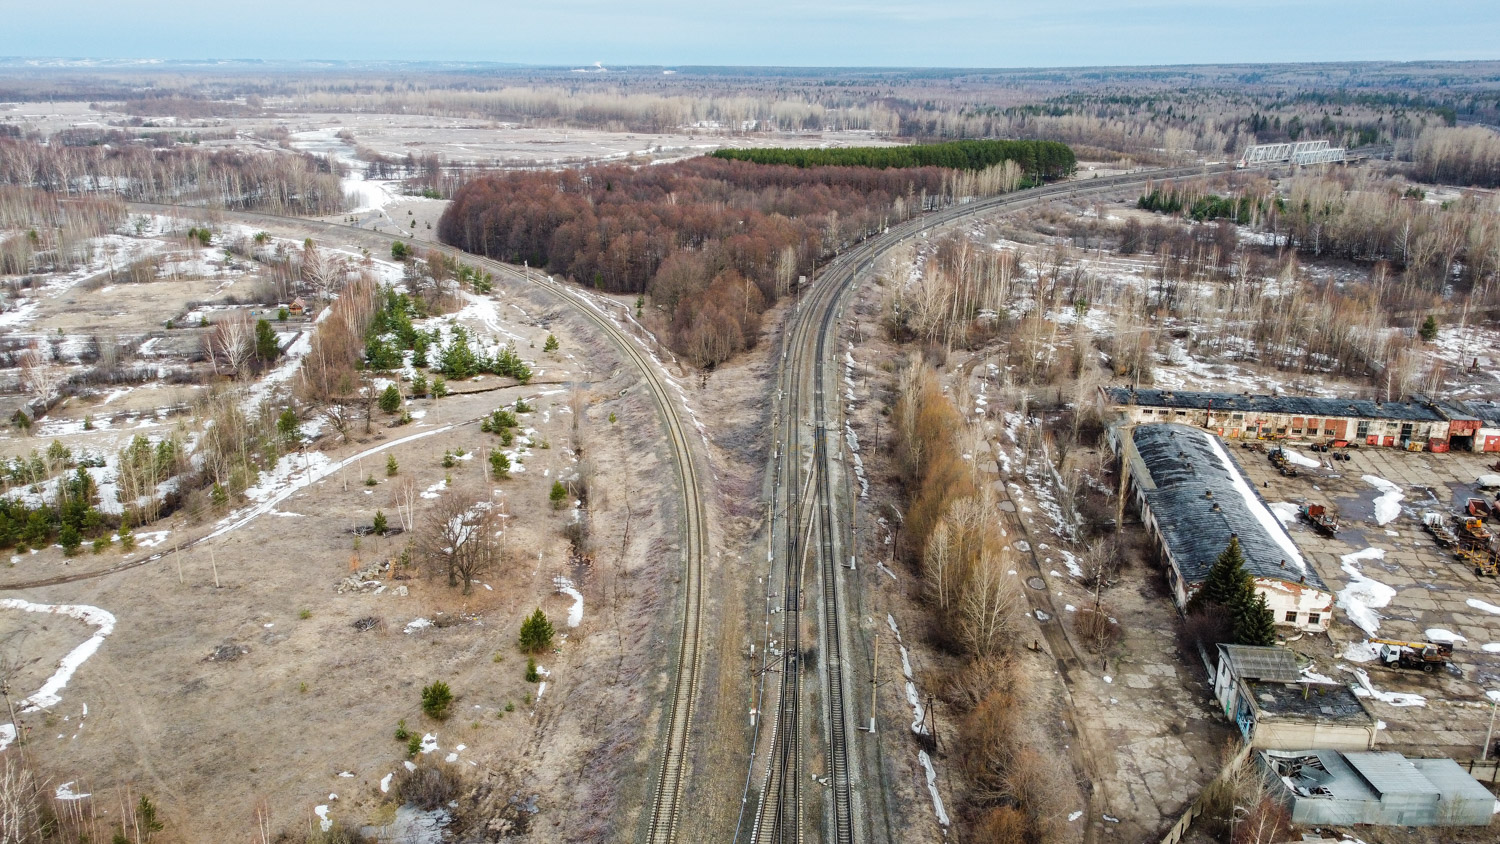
column 666, row 798
column 806, row 415
column 803, row 489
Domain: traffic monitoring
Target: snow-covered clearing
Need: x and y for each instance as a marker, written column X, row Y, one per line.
column 50, row 694
column 1364, row 595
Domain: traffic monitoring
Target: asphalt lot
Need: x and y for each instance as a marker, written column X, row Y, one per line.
column 1432, row 589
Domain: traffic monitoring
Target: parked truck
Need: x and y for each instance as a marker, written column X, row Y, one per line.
column 1427, row 656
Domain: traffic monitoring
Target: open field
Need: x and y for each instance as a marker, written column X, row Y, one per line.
column 253, row 645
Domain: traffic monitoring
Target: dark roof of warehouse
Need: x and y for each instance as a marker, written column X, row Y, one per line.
column 1185, row 466
column 1267, row 664
column 1309, row 701
column 1297, row 405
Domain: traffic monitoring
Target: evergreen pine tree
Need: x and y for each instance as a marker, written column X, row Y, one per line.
column 1226, row 580
column 536, row 632
column 1254, row 624
column 1429, row 329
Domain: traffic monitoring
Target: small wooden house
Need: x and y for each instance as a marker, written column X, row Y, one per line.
column 297, row 307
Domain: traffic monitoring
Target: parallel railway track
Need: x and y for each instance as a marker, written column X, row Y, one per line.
column 807, row 408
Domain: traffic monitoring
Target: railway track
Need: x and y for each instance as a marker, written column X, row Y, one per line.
column 805, row 415
column 666, row 798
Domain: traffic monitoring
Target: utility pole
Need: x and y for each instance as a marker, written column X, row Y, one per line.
column 1484, row 752
column 874, row 659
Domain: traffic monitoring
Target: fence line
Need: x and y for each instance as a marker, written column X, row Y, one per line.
column 1184, row 823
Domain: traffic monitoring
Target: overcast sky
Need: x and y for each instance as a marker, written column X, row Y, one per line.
column 935, row 33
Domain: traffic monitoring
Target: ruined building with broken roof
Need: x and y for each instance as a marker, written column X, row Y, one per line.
column 1417, row 423
column 1192, row 498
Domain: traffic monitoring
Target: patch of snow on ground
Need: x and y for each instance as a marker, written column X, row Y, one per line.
column 1300, row 459
column 937, row 799
column 385, row 783
column 918, row 715
column 417, row 624
column 1075, row 816
column 1388, row 505
column 1438, row 634
column 429, row 744
column 1361, row 652
column 1491, row 648
column 50, row 692
column 1365, row 689
column 566, row 587
column 1364, row 595
column 65, row 792
column 1483, row 605
column 324, row 822
column 1286, row 512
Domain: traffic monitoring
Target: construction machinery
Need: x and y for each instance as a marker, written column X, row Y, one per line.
column 1473, row 529
column 1427, row 656
column 1436, row 524
column 1319, row 517
column 1481, row 556
column 1278, row 459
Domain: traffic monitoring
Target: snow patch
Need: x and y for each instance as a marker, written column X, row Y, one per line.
column 1388, row 505
column 566, row 587
column 1364, row 595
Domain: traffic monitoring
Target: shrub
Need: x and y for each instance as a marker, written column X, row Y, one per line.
column 379, row 523
column 536, row 632
column 523, row 406
column 419, row 385
column 399, row 251
column 428, row 786
column 370, row 481
column 531, row 673
column 413, row 745
column 551, row 344
column 402, row 734
column 390, row 399
column 436, row 699
column 127, row 539
column 70, row 539
column 499, row 463
column 391, row 466
column 448, row 461
column 558, row 495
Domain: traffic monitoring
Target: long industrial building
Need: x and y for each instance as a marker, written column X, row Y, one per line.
column 1417, row 423
column 1193, row 497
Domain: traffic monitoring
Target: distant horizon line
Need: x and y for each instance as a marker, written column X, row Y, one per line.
column 596, row 66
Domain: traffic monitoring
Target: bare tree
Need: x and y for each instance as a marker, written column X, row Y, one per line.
column 320, row 271
column 404, row 499
column 232, row 344
column 987, row 609
column 459, row 538
column 40, row 374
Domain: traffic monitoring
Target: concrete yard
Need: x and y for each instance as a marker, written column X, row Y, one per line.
column 1431, row 593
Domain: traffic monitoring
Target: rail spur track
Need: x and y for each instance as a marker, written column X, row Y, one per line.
column 802, row 418
column 670, row 777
